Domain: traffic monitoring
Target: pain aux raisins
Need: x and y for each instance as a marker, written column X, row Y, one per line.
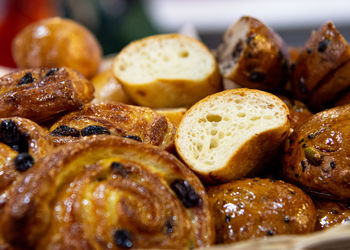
column 185, row 193
column 94, row 130
column 64, row 130
column 133, row 137
column 27, row 78
column 122, row 238
column 12, row 137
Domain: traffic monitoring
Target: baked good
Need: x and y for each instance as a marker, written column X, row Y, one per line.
column 324, row 52
column 57, row 42
column 170, row 70
column 343, row 100
column 138, row 123
column 316, row 155
column 108, row 192
column 232, row 134
column 252, row 55
column 173, row 114
column 108, row 89
column 331, row 213
column 42, row 93
column 251, row 208
column 298, row 112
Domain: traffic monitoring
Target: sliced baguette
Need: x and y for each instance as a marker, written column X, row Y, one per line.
column 169, row 70
column 232, row 134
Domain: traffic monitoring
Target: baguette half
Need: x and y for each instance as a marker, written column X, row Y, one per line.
column 232, row 134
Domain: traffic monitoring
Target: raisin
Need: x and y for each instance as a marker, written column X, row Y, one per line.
column 169, row 226
column 296, row 175
column 185, row 193
column 23, row 162
column 27, row 78
column 227, row 218
column 11, row 136
column 51, row 72
column 332, row 164
column 64, row 130
column 119, row 169
column 257, row 76
column 94, row 130
column 133, row 137
column 303, row 165
column 309, row 51
column 237, row 50
column 322, row 46
column 122, row 238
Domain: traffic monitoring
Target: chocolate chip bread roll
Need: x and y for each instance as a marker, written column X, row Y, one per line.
column 43, row 93
column 256, row 207
column 134, row 122
column 253, row 56
column 317, row 154
column 108, row 192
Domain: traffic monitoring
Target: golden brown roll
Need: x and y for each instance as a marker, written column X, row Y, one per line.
column 57, row 42
column 317, row 154
column 108, row 192
column 256, row 207
column 324, row 52
column 138, row 123
column 40, row 94
column 331, row 213
column 252, row 55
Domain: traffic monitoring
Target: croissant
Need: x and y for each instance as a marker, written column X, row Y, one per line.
column 42, row 93
column 108, row 192
column 138, row 123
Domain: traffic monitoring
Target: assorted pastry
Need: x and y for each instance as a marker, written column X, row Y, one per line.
column 156, row 152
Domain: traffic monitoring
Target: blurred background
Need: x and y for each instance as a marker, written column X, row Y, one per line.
column 117, row 22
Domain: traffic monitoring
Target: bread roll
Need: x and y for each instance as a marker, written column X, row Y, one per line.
column 232, row 134
column 169, row 70
column 252, row 55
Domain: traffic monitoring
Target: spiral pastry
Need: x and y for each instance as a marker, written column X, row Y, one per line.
column 108, row 192
column 40, row 94
column 138, row 123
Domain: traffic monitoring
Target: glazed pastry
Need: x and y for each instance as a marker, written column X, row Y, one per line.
column 298, row 112
column 108, row 192
column 344, row 100
column 331, row 213
column 41, row 94
column 256, row 207
column 57, row 42
column 138, row 123
column 317, row 154
column 252, row 55
column 324, row 52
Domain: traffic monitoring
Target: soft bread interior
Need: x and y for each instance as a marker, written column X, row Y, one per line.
column 164, row 57
column 214, row 129
column 232, row 46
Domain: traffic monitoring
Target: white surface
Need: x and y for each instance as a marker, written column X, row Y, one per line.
column 217, row 15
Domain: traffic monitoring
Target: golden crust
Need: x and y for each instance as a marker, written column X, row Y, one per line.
column 256, row 207
column 316, row 155
column 119, row 119
column 41, row 94
column 103, row 184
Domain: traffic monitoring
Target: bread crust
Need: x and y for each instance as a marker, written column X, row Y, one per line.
column 42, row 93
column 168, row 93
column 134, row 183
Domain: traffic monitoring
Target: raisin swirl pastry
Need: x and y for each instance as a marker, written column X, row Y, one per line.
column 108, row 192
column 138, row 123
column 317, row 154
column 40, row 94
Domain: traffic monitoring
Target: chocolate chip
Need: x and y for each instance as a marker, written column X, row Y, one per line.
column 301, row 85
column 11, row 136
column 322, row 46
column 332, row 164
column 311, row 136
column 94, row 130
column 292, row 192
column 296, row 175
column 23, row 162
column 185, row 193
column 133, row 137
column 27, row 78
column 237, row 50
column 304, row 145
column 119, row 169
column 286, row 219
column 64, row 130
column 169, row 226
column 122, row 238
column 308, row 50
column 303, row 165
column 227, row 218
column 270, row 232
column 257, row 76
column 51, row 72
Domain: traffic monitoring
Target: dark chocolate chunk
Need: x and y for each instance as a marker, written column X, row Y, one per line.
column 119, row 169
column 322, row 46
column 332, row 164
column 64, row 130
column 270, row 232
column 27, row 78
column 94, row 130
column 185, row 193
column 23, row 162
column 133, row 137
column 257, row 76
column 51, row 72
column 122, row 238
column 12, row 137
